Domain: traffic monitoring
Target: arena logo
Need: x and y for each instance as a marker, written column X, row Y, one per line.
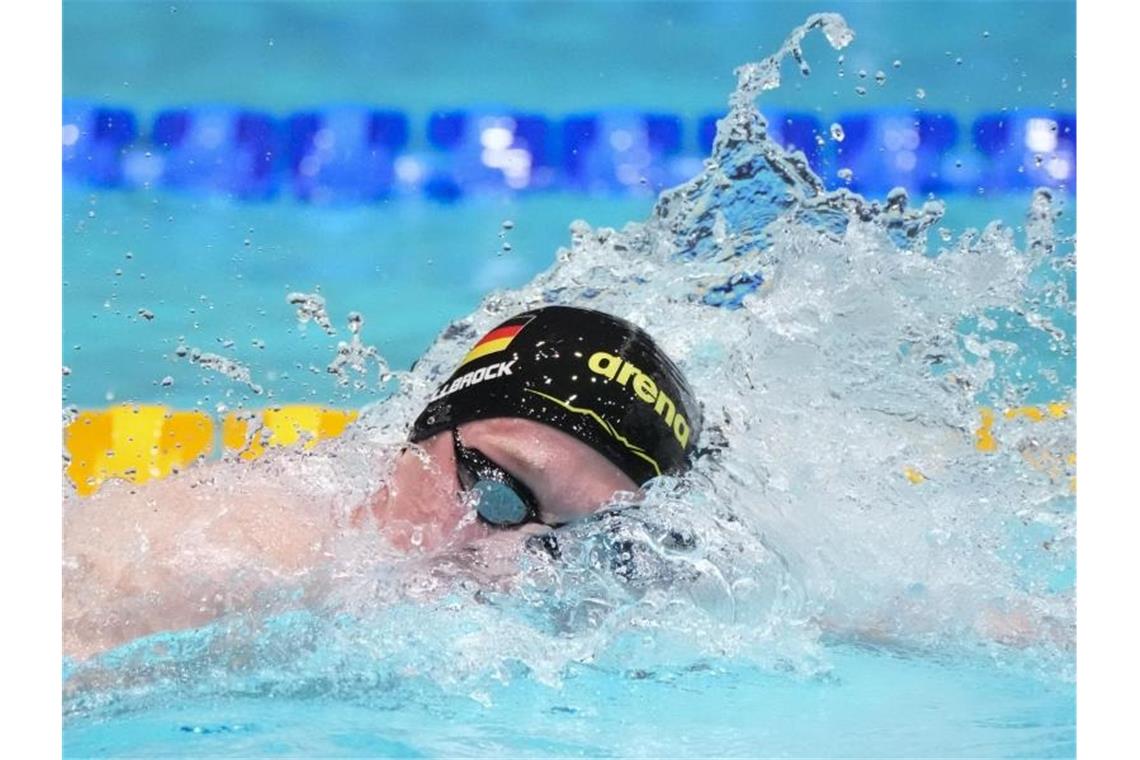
column 622, row 372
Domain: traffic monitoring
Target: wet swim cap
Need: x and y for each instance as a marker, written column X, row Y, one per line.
column 599, row 378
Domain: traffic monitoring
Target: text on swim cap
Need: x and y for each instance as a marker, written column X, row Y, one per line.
column 474, row 377
column 622, row 372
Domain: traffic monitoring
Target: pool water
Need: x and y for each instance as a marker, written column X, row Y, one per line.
column 879, row 704
column 853, row 485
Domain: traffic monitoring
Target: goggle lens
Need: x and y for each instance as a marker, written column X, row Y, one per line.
column 498, row 504
column 500, row 498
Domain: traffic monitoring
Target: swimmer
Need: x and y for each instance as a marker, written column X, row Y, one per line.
column 547, row 418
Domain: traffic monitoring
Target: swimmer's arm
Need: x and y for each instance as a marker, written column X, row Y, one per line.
column 1015, row 625
column 177, row 554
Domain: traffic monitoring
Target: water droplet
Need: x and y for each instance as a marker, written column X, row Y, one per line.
column 508, row 224
column 128, row 255
column 862, row 73
column 66, row 370
column 118, row 272
column 897, row 63
column 167, row 381
column 247, row 242
column 880, row 77
column 985, row 35
column 958, row 61
column 146, row 314
column 860, row 91
column 506, row 247
column 920, row 93
column 837, row 132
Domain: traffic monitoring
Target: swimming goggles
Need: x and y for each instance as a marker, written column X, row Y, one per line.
column 501, row 499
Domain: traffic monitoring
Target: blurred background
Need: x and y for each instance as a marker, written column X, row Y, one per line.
column 401, row 160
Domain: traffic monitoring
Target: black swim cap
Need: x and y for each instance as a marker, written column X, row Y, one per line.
column 599, row 378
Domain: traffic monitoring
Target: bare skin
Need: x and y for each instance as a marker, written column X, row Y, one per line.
column 179, row 553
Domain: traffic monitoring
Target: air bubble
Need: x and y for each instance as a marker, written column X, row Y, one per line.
column 897, row 63
column 146, row 314
column 167, row 381
column 845, row 174
column 860, row 91
column 880, row 77
column 837, row 132
column 920, row 93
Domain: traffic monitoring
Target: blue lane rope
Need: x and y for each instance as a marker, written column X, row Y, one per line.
column 360, row 154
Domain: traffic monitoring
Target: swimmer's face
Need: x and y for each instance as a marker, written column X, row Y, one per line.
column 569, row 480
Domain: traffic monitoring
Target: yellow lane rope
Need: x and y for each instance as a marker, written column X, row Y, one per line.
column 140, row 442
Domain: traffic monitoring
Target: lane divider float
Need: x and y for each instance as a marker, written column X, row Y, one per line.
column 143, row 442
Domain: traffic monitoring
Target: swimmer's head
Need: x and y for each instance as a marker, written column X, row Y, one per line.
column 596, row 378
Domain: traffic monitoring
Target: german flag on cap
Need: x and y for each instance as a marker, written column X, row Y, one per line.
column 497, row 340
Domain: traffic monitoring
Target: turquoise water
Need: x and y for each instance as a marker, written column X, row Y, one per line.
column 558, row 57
column 418, row 57
column 878, row 704
column 805, row 514
column 212, row 271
